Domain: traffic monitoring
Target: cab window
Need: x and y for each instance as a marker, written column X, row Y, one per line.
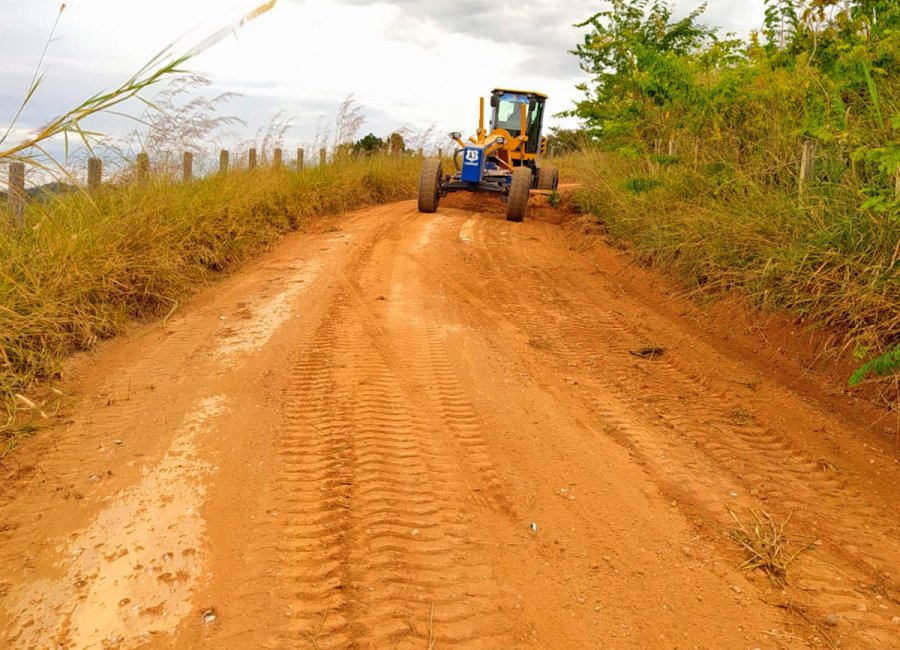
column 509, row 114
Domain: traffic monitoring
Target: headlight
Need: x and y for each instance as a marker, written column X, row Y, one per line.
column 456, row 135
column 501, row 140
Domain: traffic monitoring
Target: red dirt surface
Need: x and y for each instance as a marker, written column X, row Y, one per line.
column 432, row 431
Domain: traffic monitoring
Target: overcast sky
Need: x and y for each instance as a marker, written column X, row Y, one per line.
column 407, row 62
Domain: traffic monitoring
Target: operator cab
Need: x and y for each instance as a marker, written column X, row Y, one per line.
column 506, row 114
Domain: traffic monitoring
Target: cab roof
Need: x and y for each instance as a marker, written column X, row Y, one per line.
column 522, row 92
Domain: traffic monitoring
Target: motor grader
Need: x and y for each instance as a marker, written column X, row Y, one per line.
column 504, row 160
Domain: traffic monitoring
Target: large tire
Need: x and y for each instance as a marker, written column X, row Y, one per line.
column 430, row 185
column 548, row 178
column 519, row 188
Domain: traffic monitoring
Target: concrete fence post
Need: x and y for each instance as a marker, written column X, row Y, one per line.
column 251, row 159
column 143, row 166
column 807, row 163
column 299, row 160
column 95, row 173
column 673, row 146
column 187, row 167
column 277, row 159
column 16, row 196
column 223, row 161
column 323, row 157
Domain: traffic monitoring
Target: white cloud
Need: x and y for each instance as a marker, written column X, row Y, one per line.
column 407, row 61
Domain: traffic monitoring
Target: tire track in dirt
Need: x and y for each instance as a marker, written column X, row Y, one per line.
column 730, row 456
column 374, row 549
column 415, row 341
column 376, row 552
column 404, row 399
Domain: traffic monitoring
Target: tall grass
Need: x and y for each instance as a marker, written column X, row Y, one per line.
column 164, row 66
column 84, row 266
column 823, row 257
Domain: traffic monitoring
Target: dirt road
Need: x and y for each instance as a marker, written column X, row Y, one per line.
column 437, row 431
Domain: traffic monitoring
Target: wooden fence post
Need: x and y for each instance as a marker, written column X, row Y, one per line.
column 187, row 167
column 95, row 173
column 807, row 163
column 251, row 159
column 440, row 153
column 16, row 195
column 673, row 147
column 223, row 161
column 299, row 160
column 420, row 152
column 323, row 157
column 277, row 160
column 143, row 166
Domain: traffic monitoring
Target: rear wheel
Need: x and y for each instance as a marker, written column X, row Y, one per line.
column 548, row 178
column 430, row 185
column 518, row 194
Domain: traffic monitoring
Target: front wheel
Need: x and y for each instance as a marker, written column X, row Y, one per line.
column 430, row 185
column 519, row 188
column 548, row 178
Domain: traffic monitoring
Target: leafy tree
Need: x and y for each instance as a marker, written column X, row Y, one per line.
column 821, row 70
column 781, row 24
column 566, row 140
column 639, row 60
column 369, row 144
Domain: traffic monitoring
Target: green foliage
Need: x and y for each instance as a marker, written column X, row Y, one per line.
column 637, row 58
column 835, row 269
column 739, row 112
column 639, row 184
column 562, row 141
column 369, row 144
column 887, row 363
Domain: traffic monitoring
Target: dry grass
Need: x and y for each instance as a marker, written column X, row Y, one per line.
column 827, row 260
column 84, row 266
column 765, row 545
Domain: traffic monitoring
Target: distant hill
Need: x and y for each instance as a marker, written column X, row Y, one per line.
column 45, row 191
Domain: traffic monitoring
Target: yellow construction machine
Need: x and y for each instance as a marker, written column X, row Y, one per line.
column 505, row 159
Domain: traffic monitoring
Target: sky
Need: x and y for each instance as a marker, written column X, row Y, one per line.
column 417, row 64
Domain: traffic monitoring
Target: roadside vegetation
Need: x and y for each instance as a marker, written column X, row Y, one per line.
column 693, row 148
column 80, row 265
column 85, row 266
